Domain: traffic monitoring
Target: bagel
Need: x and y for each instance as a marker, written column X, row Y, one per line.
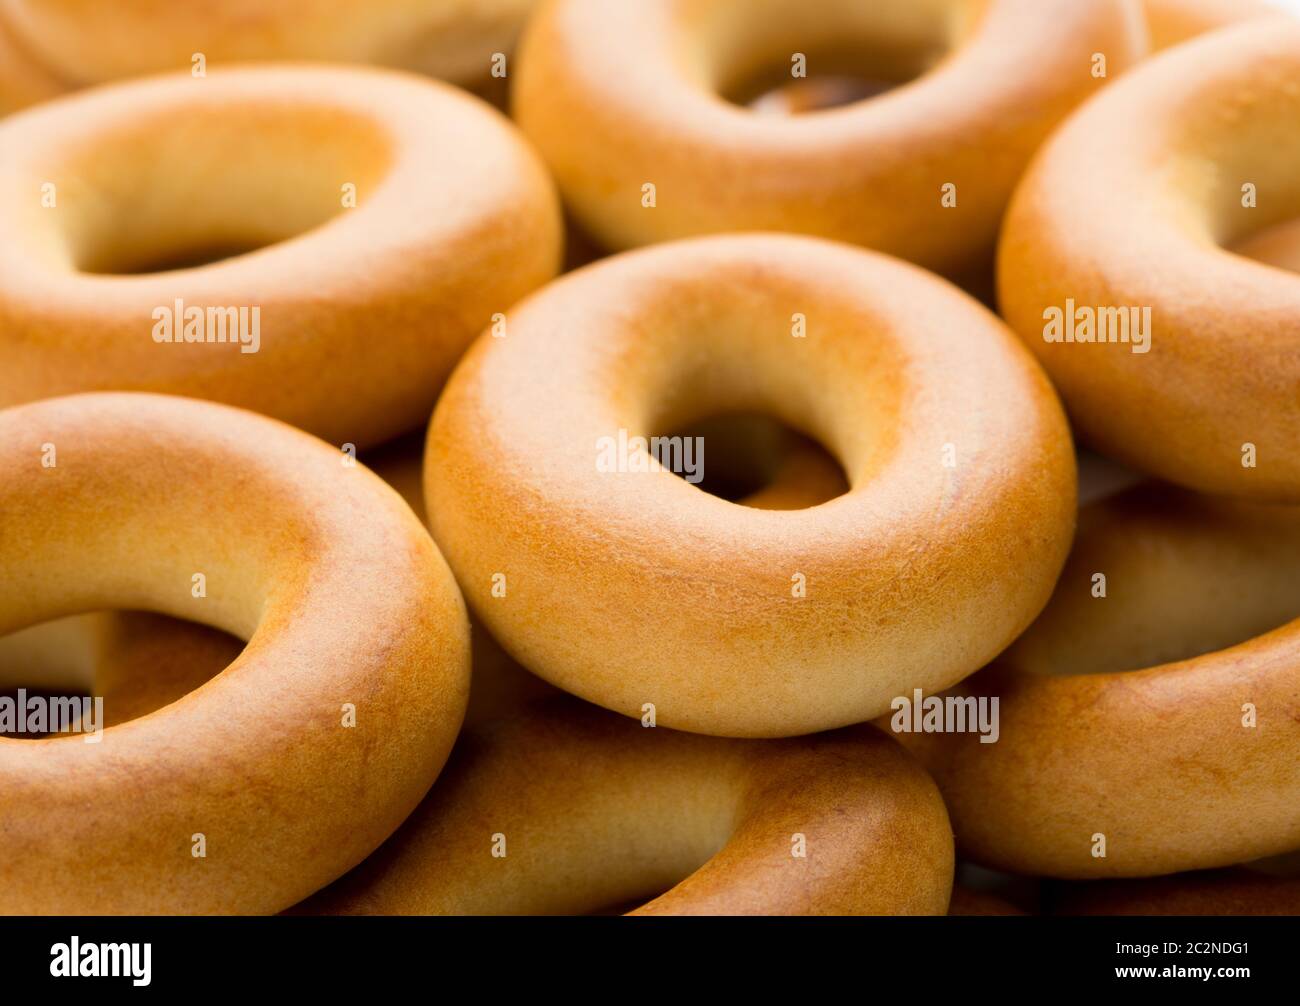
column 121, row 501
column 618, row 96
column 23, row 81
column 342, row 321
column 1212, row 892
column 629, row 586
column 1131, row 207
column 1171, row 22
column 568, row 809
column 91, row 42
column 1126, row 716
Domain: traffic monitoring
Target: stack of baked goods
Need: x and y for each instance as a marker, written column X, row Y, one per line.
column 676, row 456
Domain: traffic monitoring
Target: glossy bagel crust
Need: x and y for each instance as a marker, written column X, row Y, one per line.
column 342, row 597
column 596, row 810
column 1126, row 716
column 363, row 311
column 618, row 95
column 628, row 587
column 1133, row 204
column 88, row 41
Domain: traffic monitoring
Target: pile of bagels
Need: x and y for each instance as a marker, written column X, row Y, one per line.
column 588, row 456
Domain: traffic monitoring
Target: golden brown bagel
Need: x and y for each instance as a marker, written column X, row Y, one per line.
column 342, row 597
column 593, row 810
column 620, row 95
column 629, row 587
column 1159, row 761
column 23, row 80
column 88, row 41
column 1212, row 892
column 361, row 311
column 1171, row 22
column 1131, row 205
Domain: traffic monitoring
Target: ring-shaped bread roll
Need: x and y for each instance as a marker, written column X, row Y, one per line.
column 1172, row 353
column 89, row 42
column 568, row 809
column 624, row 584
column 1191, row 762
column 621, row 96
column 390, row 218
column 285, row 770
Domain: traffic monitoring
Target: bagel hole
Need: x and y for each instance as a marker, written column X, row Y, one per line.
column 779, row 66
column 134, row 662
column 756, row 460
column 152, row 260
column 811, row 94
column 1277, row 245
column 180, row 191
